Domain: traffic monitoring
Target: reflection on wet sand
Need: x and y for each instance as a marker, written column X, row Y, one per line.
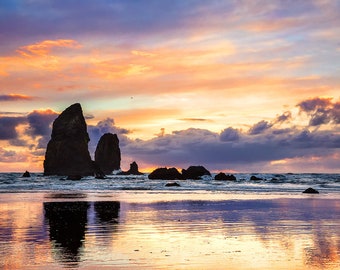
column 68, row 223
column 83, row 233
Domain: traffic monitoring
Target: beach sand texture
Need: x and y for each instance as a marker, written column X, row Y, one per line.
column 164, row 230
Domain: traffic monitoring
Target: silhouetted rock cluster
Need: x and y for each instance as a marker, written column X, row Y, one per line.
column 107, row 154
column 67, row 152
column 193, row 172
column 223, row 176
column 165, row 174
column 132, row 171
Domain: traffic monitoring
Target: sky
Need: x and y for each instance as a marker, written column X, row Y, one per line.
column 235, row 86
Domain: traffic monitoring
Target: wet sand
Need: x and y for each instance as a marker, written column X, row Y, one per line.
column 168, row 230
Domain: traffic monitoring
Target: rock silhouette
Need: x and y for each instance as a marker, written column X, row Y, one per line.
column 165, row 174
column 107, row 155
column 132, row 171
column 67, row 151
column 26, row 174
column 194, row 172
column 223, row 176
column 311, row 191
column 172, row 184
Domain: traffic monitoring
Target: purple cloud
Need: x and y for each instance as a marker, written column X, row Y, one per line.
column 321, row 111
column 230, row 134
column 260, row 127
column 8, row 125
column 40, row 122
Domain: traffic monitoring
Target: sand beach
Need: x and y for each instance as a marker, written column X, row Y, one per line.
column 168, row 230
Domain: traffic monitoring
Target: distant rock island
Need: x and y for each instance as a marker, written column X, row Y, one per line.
column 67, row 152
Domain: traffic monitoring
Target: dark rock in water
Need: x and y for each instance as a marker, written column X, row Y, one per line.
column 311, row 191
column 67, row 151
column 253, row 177
column 107, row 155
column 26, row 174
column 194, row 172
column 73, row 177
column 223, row 176
column 132, row 171
column 172, row 184
column 165, row 174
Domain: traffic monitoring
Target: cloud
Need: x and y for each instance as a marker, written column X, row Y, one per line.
column 195, row 119
column 260, row 127
column 10, row 156
column 40, row 122
column 8, row 127
column 229, row 135
column 46, row 46
column 198, row 146
column 321, row 111
column 311, row 105
column 15, row 97
column 286, row 116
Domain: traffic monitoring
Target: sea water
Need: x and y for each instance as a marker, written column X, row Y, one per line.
column 270, row 183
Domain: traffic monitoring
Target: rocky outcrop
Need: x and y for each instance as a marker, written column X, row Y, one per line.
column 132, row 171
column 165, row 174
column 26, row 174
column 311, row 191
column 195, row 172
column 107, row 155
column 67, row 151
column 223, row 176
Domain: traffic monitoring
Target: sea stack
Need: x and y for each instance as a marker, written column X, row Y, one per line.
column 67, row 151
column 107, row 155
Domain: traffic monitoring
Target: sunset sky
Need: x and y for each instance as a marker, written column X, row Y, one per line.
column 234, row 85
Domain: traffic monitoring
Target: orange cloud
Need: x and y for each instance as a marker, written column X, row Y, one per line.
column 15, row 97
column 44, row 47
column 142, row 53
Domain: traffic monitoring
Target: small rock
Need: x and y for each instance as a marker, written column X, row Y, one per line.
column 73, row 177
column 253, row 177
column 172, row 184
column 26, row 174
column 311, row 191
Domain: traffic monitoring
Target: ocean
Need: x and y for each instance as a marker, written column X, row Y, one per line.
column 288, row 183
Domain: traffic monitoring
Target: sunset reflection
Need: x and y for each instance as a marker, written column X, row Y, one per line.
column 260, row 233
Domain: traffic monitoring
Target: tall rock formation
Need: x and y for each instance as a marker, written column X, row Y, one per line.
column 107, row 155
column 67, row 151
